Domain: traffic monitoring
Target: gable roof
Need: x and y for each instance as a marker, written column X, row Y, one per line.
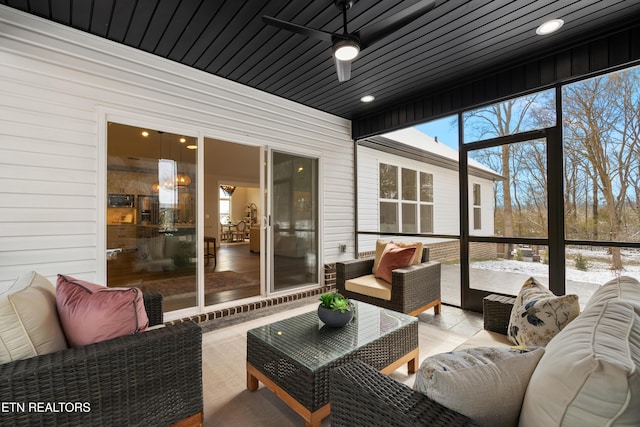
column 417, row 145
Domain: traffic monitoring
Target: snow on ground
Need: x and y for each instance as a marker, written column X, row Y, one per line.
column 598, row 270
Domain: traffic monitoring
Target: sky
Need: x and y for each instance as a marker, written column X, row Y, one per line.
column 442, row 128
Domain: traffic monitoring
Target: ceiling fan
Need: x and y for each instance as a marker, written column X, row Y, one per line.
column 347, row 46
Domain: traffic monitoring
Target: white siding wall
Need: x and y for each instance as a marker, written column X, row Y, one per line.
column 57, row 85
column 445, row 196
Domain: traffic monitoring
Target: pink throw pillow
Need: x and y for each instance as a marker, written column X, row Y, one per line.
column 392, row 258
column 91, row 313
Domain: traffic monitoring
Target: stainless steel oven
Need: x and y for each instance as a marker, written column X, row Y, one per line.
column 121, row 200
column 148, row 209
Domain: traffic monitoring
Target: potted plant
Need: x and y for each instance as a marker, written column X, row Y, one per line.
column 335, row 310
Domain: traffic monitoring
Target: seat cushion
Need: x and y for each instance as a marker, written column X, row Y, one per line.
column 29, row 324
column 382, row 244
column 393, row 257
column 91, row 313
column 487, row 384
column 538, row 315
column 590, row 372
column 370, row 286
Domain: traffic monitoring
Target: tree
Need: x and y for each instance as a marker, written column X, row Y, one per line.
column 506, row 118
column 601, row 135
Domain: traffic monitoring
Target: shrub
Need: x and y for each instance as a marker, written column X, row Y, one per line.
column 581, row 263
column 518, row 255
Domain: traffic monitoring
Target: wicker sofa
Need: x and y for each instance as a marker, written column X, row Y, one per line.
column 413, row 289
column 360, row 395
column 150, row 378
column 587, row 375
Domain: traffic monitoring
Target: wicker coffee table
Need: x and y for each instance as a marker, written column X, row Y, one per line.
column 294, row 357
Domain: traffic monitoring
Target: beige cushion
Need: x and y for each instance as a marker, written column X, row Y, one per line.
column 484, row 338
column 589, row 374
column 29, row 324
column 381, row 244
column 487, row 384
column 538, row 315
column 369, row 285
column 623, row 288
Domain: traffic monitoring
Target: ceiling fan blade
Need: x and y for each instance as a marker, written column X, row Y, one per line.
column 376, row 31
column 343, row 68
column 305, row 31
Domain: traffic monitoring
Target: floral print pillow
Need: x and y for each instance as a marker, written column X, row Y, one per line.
column 538, row 315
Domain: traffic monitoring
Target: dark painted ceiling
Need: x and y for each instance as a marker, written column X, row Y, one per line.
column 457, row 41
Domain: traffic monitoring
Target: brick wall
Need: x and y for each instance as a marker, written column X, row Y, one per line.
column 450, row 251
column 443, row 251
column 329, row 285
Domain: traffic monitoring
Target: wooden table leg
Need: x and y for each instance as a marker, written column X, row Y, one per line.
column 252, row 382
column 412, row 366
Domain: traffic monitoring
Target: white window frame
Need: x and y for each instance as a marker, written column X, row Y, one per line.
column 222, row 196
column 477, row 207
column 400, row 201
column 422, row 203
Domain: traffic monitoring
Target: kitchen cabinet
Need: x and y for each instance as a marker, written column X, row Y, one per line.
column 121, row 236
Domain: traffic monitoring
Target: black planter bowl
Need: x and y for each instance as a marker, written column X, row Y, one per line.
column 334, row 318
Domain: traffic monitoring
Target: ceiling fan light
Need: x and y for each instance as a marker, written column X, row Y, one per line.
column 346, row 50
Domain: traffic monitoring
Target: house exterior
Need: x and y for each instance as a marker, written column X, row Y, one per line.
column 59, row 88
column 434, row 161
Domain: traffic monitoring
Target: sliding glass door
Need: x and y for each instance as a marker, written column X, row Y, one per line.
column 294, row 221
column 151, row 212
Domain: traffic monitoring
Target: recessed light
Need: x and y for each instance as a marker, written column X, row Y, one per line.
column 549, row 27
column 192, row 147
column 145, row 133
column 367, row 98
column 183, row 140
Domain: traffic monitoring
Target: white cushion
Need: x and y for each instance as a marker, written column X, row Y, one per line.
column 29, row 324
column 538, row 315
column 589, row 375
column 370, row 286
column 487, row 384
column 623, row 288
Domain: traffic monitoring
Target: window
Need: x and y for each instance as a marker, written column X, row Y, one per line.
column 477, row 210
column 225, row 206
column 388, row 191
column 409, row 205
column 388, row 181
column 426, row 202
column 510, row 117
column 601, row 172
column 410, row 211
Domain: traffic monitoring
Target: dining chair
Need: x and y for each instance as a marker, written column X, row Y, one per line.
column 239, row 233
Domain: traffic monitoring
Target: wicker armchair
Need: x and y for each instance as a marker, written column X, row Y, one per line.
column 151, row 378
column 414, row 289
column 360, row 395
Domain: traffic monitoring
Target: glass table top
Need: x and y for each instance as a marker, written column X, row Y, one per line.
column 308, row 341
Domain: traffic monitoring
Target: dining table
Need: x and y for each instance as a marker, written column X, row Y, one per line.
column 227, row 231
